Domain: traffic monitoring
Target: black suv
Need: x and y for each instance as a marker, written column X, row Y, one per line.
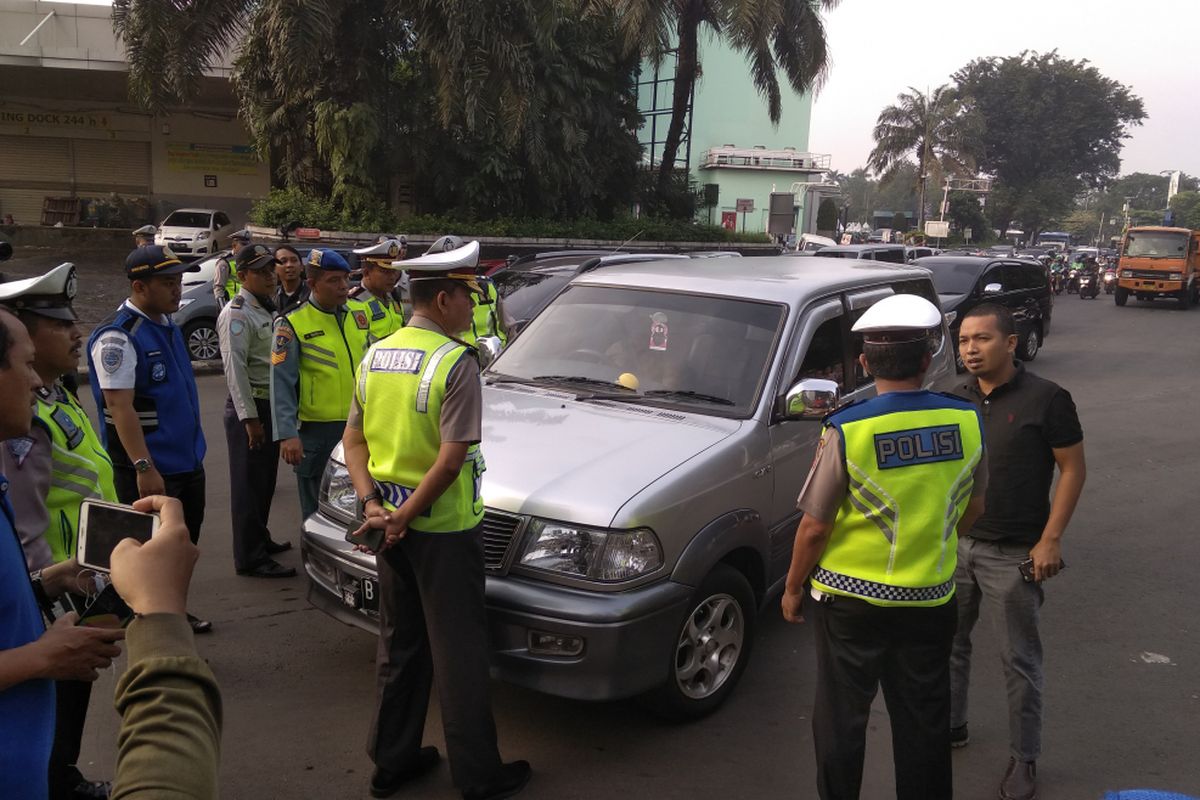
column 963, row 282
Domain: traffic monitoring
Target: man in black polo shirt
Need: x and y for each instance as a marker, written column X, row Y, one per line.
column 1030, row 425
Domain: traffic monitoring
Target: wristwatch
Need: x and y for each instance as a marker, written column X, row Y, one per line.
column 362, row 504
column 142, row 465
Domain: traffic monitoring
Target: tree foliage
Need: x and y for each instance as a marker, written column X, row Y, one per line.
column 931, row 128
column 776, row 36
column 964, row 211
column 1048, row 128
column 1186, row 206
column 827, row 215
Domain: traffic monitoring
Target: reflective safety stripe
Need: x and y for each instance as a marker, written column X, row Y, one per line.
column 329, row 362
column 860, row 587
column 67, row 484
column 961, row 492
column 322, row 350
column 427, row 376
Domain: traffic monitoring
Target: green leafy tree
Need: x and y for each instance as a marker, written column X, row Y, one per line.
column 899, row 191
column 899, row 221
column 963, row 211
column 776, row 36
column 1048, row 128
column 931, row 128
column 859, row 190
column 827, row 215
column 1186, row 206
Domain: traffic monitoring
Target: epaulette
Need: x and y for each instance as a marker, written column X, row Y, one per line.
column 238, row 301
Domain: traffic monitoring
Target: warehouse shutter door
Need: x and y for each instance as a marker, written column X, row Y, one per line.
column 103, row 166
column 32, row 167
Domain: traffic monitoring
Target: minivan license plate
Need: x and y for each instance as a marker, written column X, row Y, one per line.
column 362, row 594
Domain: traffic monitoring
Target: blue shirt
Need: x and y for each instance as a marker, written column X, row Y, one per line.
column 27, row 709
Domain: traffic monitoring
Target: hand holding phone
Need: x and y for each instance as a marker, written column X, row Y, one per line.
column 103, row 525
column 153, row 577
column 106, row 610
column 365, row 536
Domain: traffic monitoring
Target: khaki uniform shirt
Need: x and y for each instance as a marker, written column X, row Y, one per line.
column 244, row 328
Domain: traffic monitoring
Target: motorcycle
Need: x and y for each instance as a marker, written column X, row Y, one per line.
column 1057, row 282
column 1089, row 286
column 1110, row 280
column 1073, row 281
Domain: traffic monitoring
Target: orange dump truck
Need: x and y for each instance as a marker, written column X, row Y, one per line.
column 1159, row 262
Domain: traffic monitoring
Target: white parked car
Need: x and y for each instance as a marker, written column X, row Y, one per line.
column 195, row 231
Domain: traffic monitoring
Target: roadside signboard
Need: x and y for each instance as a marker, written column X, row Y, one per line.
column 937, row 229
column 745, row 205
column 308, row 233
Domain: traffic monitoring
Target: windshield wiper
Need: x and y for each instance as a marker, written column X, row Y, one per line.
column 687, row 394
column 582, row 380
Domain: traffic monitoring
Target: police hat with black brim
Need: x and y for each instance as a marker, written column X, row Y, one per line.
column 155, row 259
column 382, row 253
column 256, row 257
column 456, row 265
column 898, row 319
column 48, row 295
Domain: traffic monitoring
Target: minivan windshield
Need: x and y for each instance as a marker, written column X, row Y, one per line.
column 1156, row 245
column 188, row 219
column 708, row 354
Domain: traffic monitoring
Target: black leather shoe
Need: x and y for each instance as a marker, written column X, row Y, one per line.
column 510, row 780
column 960, row 737
column 199, row 625
column 275, row 548
column 385, row 783
column 269, row 569
column 91, row 790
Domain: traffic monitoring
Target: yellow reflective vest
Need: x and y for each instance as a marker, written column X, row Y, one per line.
column 401, row 389
column 80, row 468
column 384, row 317
column 910, row 461
column 329, row 357
column 485, row 319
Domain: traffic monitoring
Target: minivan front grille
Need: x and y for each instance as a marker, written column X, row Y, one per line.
column 499, row 530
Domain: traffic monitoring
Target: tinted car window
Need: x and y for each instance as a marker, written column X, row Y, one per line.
column 1035, row 277
column 526, row 292
column 951, row 276
column 188, row 219
column 892, row 256
column 221, row 220
column 826, row 354
column 831, row 253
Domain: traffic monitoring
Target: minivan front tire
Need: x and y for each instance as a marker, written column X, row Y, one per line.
column 201, row 339
column 711, row 650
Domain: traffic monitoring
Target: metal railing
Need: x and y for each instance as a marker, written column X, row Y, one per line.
column 787, row 158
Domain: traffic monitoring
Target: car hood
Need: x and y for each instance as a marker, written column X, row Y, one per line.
column 174, row 230
column 552, row 456
column 951, row 301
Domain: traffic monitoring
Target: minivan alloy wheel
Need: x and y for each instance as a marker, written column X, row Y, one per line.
column 202, row 342
column 710, row 646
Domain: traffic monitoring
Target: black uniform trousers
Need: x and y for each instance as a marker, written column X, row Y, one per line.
column 71, row 700
column 252, row 476
column 906, row 650
column 186, row 487
column 433, row 622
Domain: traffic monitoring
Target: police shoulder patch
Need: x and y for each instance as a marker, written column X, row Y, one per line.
column 360, row 319
column 397, row 360
column 19, row 449
column 111, row 358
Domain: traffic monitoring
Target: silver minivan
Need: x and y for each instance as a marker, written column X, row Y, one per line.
column 646, row 438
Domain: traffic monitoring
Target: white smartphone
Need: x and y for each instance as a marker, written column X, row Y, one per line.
column 102, row 525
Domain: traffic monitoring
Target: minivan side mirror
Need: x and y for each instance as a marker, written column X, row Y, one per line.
column 811, row 398
column 992, row 288
column 489, row 349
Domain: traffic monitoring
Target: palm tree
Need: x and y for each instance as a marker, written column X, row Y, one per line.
column 774, row 35
column 933, row 127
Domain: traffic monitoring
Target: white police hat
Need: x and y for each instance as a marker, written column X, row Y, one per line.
column 388, row 249
column 445, row 244
column 242, row 236
column 458, row 264
column 48, row 295
column 900, row 313
column 146, row 230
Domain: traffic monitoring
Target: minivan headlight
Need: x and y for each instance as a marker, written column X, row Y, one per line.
column 337, row 492
column 591, row 553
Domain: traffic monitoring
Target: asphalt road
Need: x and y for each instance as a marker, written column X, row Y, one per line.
column 1120, row 631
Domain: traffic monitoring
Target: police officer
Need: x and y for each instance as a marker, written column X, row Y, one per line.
column 317, row 349
column 145, row 391
column 893, row 478
column 377, row 294
column 144, row 235
column 244, row 328
column 51, row 471
column 225, row 283
column 487, row 316
column 412, row 450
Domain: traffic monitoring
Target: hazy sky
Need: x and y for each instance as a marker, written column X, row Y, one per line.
column 879, row 49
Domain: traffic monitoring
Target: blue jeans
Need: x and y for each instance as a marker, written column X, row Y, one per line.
column 987, row 576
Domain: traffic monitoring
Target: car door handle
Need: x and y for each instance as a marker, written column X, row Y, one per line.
column 761, row 471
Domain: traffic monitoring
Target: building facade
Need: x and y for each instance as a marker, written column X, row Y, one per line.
column 731, row 148
column 69, row 131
